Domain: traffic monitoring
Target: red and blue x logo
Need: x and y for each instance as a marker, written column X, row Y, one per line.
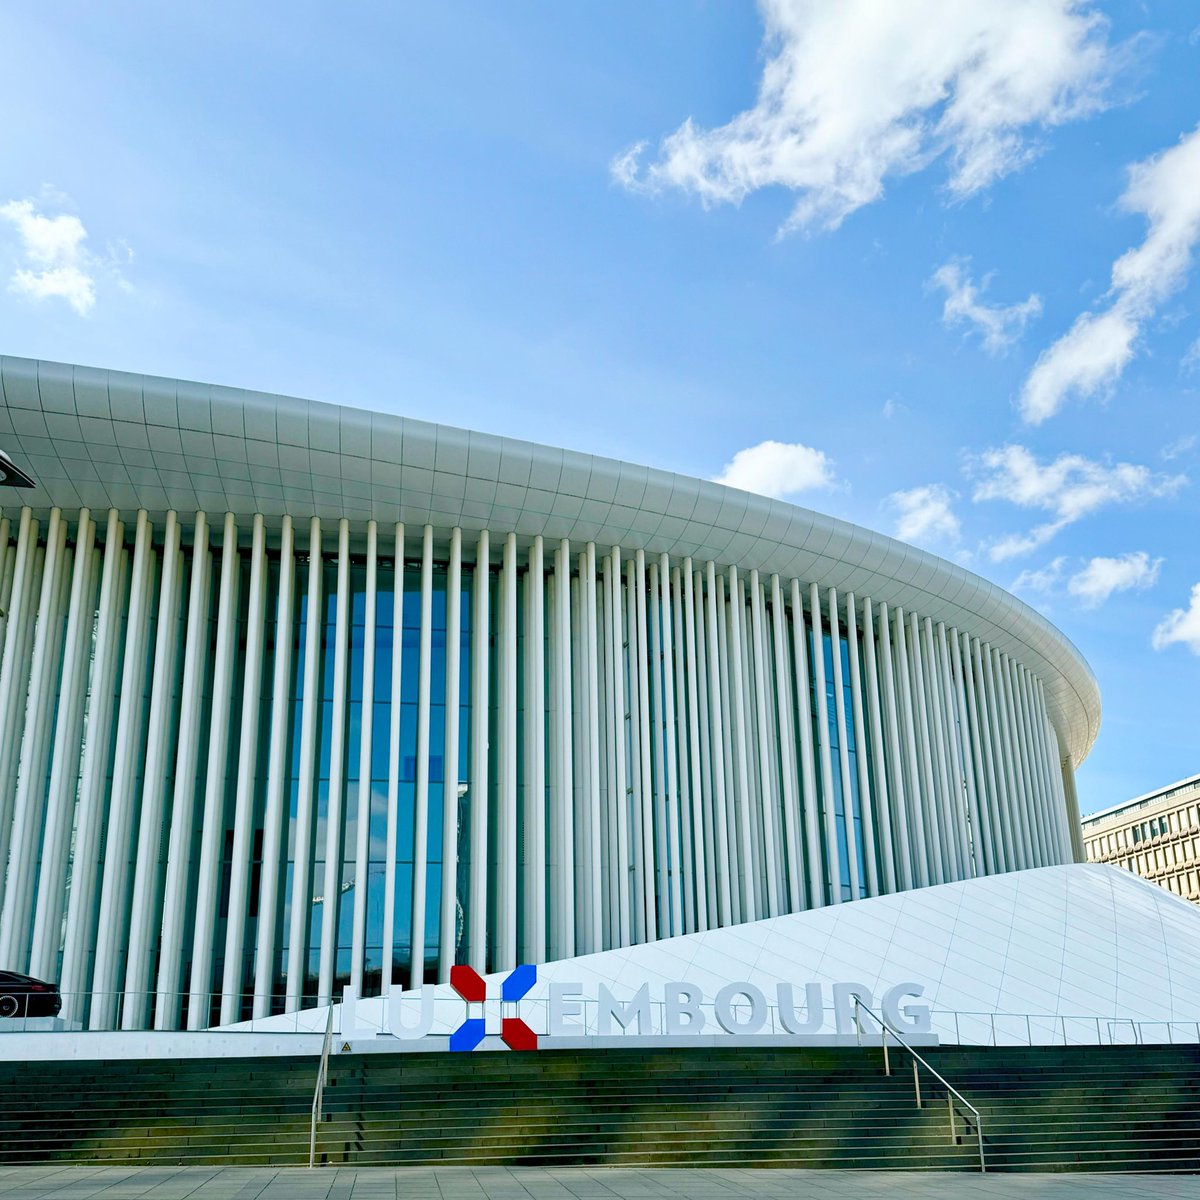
column 469, row 984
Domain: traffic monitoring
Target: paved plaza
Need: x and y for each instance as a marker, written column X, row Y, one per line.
column 555, row 1183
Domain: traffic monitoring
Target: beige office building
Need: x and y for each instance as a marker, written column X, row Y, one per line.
column 1156, row 836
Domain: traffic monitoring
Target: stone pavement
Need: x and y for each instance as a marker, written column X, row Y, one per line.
column 561, row 1183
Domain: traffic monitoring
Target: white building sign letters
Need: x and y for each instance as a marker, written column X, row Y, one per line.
column 549, row 1011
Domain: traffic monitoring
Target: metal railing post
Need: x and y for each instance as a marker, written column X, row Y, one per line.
column 887, row 1066
column 917, row 1083
column 950, row 1110
column 319, row 1093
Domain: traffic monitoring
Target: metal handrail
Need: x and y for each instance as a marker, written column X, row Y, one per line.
column 951, row 1091
column 319, row 1093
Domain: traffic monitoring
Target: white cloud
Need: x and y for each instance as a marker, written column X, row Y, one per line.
column 1180, row 625
column 1046, row 579
column 1091, row 356
column 893, row 406
column 54, row 261
column 1181, row 445
column 777, row 469
column 924, row 514
column 1191, row 358
column 1103, row 576
column 855, row 92
column 1068, row 489
column 999, row 324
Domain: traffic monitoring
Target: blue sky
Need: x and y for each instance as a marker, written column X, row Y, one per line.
column 879, row 236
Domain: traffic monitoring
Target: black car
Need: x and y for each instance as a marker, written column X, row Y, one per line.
column 24, row 996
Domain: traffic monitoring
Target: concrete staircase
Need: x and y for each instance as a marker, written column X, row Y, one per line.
column 1111, row 1108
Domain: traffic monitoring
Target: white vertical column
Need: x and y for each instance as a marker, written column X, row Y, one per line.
column 145, row 906
column 984, row 772
column 561, row 902
column 575, row 737
column 675, row 814
column 176, row 898
column 14, row 667
column 233, row 976
column 609, row 808
column 701, row 796
column 638, row 647
column 775, row 902
column 915, row 824
column 366, row 725
column 691, row 853
column 331, row 888
column 747, row 871
column 788, row 772
column 948, row 778
column 882, row 807
column 771, row 734
column 416, row 972
column 981, row 834
column 634, row 763
column 300, row 915
column 628, row 895
column 113, row 921
column 754, row 791
column 208, row 880
column 940, row 752
column 477, row 929
column 860, row 746
column 704, row 718
column 989, row 724
column 839, row 710
column 533, row 935
column 1050, row 751
column 941, row 867
column 722, row 710
column 450, row 780
column 64, row 766
column 717, row 725
column 589, row 904
column 506, row 824
column 810, row 796
column 896, row 747
column 960, row 794
column 75, row 976
column 665, row 853
column 1070, row 802
column 618, row 715
column 388, row 950
column 29, row 805
column 278, row 774
column 832, row 850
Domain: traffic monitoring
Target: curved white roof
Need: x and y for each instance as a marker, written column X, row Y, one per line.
column 109, row 439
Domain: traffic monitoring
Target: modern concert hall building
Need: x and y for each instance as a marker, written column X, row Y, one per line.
column 296, row 696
